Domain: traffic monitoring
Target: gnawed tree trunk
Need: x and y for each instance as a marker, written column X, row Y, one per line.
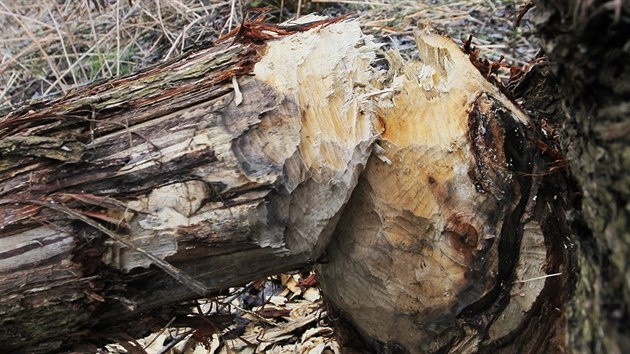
column 453, row 242
column 177, row 182
column 588, row 45
column 236, row 161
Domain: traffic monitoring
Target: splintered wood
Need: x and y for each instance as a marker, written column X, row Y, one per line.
column 431, row 232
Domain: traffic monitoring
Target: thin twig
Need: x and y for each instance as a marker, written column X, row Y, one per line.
column 538, row 278
column 175, row 341
column 160, row 332
column 118, row 37
column 231, row 18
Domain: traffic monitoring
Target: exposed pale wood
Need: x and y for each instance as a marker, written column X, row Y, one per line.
column 207, row 172
column 441, row 247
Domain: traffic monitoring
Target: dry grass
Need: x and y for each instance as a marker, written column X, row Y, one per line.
column 490, row 22
column 51, row 46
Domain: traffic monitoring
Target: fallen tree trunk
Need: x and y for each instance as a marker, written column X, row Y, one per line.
column 236, row 162
column 226, row 165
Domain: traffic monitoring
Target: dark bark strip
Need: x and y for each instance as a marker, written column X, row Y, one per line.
column 587, row 45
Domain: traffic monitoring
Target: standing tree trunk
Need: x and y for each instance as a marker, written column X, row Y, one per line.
column 588, row 46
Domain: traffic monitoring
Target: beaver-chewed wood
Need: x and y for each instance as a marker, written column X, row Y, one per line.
column 445, row 243
column 223, row 166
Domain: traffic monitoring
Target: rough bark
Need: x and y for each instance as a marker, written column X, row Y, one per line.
column 587, row 43
column 177, row 182
column 455, row 240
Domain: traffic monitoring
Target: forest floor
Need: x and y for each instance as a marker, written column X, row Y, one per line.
column 50, row 46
